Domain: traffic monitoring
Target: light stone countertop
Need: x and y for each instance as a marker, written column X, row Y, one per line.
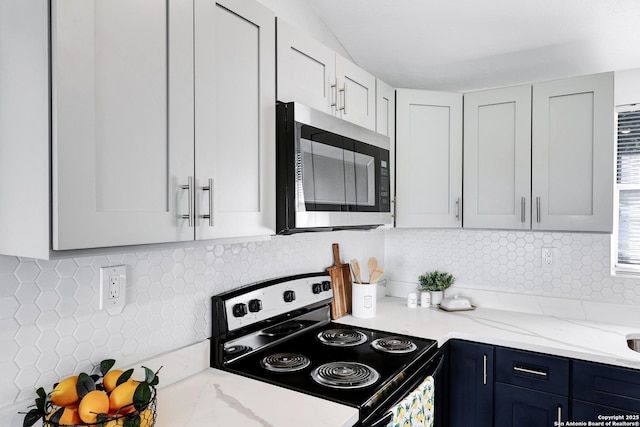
column 192, row 394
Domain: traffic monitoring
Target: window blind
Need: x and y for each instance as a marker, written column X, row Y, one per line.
column 628, row 187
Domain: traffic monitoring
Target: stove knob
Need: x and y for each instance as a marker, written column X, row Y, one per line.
column 255, row 305
column 239, row 310
column 326, row 285
column 317, row 288
column 289, row 296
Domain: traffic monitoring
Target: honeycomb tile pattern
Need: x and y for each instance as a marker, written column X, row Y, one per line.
column 511, row 261
column 50, row 325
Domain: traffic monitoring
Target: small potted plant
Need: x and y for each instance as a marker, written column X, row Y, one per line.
column 435, row 282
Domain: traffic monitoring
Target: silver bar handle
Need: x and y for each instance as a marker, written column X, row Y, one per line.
column 458, row 209
column 529, row 371
column 523, row 206
column 189, row 188
column 538, row 209
column 559, row 415
column 344, row 99
column 209, row 188
column 334, row 94
column 484, row 369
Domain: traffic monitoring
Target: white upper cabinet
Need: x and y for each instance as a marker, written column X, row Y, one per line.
column 497, row 158
column 162, row 124
column 541, row 161
column 428, row 158
column 122, row 128
column 573, row 154
column 235, row 119
column 314, row 75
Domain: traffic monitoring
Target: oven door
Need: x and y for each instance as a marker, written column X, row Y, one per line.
column 384, row 415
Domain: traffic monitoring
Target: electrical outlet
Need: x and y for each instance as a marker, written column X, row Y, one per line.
column 548, row 258
column 113, row 286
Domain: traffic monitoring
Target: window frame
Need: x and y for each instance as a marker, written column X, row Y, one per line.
column 621, row 269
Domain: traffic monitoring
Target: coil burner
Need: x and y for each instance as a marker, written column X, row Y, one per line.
column 345, row 375
column 283, row 329
column 234, row 350
column 342, row 337
column 285, row 362
column 394, row 345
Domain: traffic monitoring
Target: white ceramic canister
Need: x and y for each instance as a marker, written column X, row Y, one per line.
column 425, row 299
column 363, row 299
column 412, row 300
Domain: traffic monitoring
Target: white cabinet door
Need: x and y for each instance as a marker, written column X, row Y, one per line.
column 306, row 70
column 235, row 119
column 356, row 94
column 497, row 158
column 386, row 125
column 122, row 128
column 573, row 154
column 428, row 158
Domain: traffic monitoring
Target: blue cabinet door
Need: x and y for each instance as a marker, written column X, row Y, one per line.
column 517, row 406
column 471, row 382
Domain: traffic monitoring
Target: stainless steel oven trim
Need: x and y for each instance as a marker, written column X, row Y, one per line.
column 324, row 121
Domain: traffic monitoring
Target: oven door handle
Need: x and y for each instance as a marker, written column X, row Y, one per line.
column 415, row 382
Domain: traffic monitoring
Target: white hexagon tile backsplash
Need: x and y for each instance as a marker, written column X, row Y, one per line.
column 50, row 325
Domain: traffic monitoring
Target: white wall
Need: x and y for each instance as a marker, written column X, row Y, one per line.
column 300, row 14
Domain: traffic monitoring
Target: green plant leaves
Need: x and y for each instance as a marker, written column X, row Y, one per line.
column 435, row 281
column 124, row 377
column 106, row 365
column 142, row 395
column 32, row 417
column 84, row 385
column 150, row 376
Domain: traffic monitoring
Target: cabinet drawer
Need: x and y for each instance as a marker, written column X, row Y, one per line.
column 607, row 385
column 532, row 370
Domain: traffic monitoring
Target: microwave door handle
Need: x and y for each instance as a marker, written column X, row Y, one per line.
column 387, row 416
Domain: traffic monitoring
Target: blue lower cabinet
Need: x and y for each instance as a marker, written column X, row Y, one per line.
column 517, row 406
column 471, row 382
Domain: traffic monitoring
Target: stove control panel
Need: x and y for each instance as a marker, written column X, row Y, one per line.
column 262, row 303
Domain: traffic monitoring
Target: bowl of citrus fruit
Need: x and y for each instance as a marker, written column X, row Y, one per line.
column 112, row 398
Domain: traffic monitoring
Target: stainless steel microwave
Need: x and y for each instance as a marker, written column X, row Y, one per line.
column 331, row 174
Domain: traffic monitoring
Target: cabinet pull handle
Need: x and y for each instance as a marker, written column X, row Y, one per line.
column 209, row 188
column 189, row 188
column 458, row 209
column 523, row 206
column 538, row 209
column 529, row 371
column 334, row 94
column 559, row 415
column 344, row 99
column 484, row 369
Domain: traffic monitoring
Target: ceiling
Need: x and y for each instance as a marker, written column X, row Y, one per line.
column 458, row 45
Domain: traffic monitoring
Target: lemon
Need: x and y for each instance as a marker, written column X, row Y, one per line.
column 93, row 403
column 146, row 418
column 110, row 379
column 69, row 416
column 122, row 396
column 65, row 393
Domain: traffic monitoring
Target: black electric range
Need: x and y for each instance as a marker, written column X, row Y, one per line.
column 279, row 331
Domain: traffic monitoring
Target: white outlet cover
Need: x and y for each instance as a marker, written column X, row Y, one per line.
column 548, row 258
column 111, row 276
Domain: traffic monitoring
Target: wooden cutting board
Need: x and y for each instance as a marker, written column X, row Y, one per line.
column 341, row 284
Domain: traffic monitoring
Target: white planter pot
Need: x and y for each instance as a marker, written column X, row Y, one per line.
column 436, row 297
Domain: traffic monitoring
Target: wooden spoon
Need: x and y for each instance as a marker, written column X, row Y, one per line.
column 373, row 264
column 355, row 265
column 376, row 275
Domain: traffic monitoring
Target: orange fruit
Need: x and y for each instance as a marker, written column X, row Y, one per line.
column 122, row 396
column 93, row 403
column 110, row 379
column 65, row 393
column 69, row 416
